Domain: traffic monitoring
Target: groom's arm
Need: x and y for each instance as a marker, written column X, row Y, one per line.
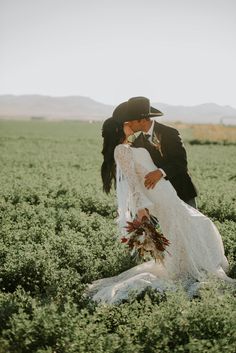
column 174, row 161
column 174, row 155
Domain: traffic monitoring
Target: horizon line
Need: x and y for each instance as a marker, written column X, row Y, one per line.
column 109, row 104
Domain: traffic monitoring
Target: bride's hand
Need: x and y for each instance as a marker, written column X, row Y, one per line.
column 142, row 213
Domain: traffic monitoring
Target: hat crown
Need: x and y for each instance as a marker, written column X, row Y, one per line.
column 138, row 106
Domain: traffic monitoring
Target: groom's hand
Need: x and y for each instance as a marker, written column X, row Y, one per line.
column 152, row 178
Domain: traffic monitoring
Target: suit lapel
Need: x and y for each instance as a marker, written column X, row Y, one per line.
column 157, row 131
column 157, row 128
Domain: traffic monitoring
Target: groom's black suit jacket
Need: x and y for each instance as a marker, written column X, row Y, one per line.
column 172, row 159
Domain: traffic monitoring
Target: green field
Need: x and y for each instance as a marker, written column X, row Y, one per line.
column 58, row 233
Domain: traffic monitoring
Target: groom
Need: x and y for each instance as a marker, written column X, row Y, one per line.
column 164, row 144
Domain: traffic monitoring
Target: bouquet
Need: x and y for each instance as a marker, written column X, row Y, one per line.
column 145, row 239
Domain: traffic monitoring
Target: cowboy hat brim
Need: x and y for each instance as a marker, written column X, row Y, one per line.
column 155, row 112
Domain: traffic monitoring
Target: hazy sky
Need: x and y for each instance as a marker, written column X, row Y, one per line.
column 172, row 51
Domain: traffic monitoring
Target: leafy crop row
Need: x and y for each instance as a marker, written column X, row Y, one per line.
column 57, row 233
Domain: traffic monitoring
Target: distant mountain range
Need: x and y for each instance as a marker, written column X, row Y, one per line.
column 71, row 107
column 84, row 108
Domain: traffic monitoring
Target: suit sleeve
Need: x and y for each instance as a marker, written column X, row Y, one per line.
column 175, row 156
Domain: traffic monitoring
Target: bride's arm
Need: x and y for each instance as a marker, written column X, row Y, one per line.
column 124, row 159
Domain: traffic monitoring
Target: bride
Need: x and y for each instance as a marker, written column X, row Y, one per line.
column 196, row 249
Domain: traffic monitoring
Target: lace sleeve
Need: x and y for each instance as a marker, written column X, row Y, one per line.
column 124, row 159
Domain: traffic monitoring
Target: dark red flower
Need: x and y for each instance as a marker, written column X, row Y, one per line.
column 123, row 240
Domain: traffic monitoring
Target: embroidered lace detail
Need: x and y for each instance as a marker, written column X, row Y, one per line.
column 125, row 161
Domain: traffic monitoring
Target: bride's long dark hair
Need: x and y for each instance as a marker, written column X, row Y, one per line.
column 113, row 134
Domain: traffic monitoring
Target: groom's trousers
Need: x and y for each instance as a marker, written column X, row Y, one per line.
column 192, row 202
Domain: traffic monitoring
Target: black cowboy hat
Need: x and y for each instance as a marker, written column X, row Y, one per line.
column 134, row 109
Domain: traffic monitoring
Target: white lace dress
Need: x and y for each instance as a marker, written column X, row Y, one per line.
column 196, row 248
